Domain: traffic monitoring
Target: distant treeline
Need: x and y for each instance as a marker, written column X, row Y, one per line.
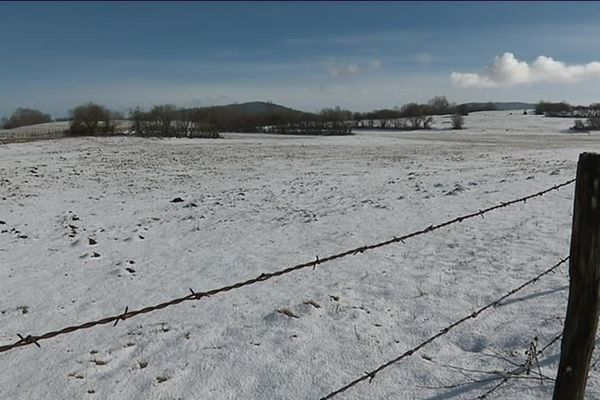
column 169, row 120
column 437, row 106
column 563, row 109
column 24, row 117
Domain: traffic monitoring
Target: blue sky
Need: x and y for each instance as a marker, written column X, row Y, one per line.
column 307, row 55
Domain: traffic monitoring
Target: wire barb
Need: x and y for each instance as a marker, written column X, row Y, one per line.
column 316, row 262
column 370, row 375
column 28, row 339
column 121, row 317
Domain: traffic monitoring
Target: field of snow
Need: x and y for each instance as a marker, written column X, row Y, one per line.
column 89, row 227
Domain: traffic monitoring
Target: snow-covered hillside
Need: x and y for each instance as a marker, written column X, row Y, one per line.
column 89, row 227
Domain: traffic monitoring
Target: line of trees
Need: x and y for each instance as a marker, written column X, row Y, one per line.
column 169, row 121
column 563, row 109
column 553, row 108
column 413, row 116
column 161, row 120
column 592, row 115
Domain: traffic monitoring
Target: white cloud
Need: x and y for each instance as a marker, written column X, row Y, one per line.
column 507, row 70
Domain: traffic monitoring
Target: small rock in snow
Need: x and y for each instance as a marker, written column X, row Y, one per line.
column 177, row 200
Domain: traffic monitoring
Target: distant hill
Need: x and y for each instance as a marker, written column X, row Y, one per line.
column 501, row 106
column 514, row 105
column 257, row 107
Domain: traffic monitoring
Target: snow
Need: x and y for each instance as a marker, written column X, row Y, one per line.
column 266, row 202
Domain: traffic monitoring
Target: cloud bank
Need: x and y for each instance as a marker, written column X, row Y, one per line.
column 507, row 70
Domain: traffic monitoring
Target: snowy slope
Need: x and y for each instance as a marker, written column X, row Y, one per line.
column 265, row 202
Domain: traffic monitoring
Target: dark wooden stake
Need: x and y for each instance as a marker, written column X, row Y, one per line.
column 579, row 334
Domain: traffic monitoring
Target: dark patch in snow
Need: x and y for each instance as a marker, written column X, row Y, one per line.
column 287, row 312
column 458, row 188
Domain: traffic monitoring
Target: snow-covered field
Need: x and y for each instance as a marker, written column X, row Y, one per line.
column 89, row 228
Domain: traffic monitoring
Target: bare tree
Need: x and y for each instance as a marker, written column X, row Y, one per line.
column 165, row 115
column 439, row 105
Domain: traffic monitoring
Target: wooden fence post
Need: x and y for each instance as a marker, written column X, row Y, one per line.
column 579, row 334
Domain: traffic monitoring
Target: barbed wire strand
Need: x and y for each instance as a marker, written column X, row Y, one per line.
column 516, row 373
column 31, row 339
column 371, row 375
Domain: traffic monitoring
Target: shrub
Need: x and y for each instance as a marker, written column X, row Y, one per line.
column 579, row 126
column 91, row 119
column 458, row 121
column 593, row 116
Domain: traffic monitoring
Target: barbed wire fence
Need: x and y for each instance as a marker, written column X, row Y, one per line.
column 127, row 314
column 31, row 339
column 23, row 135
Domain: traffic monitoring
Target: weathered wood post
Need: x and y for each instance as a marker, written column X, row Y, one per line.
column 579, row 334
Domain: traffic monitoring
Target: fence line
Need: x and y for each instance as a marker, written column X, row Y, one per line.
column 10, row 136
column 371, row 374
column 31, row 339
